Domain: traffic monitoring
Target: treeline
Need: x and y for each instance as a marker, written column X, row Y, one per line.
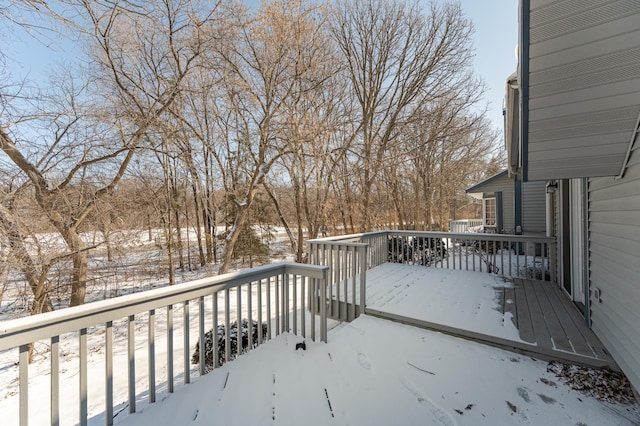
column 317, row 117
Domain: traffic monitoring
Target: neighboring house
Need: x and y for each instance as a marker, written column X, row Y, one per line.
column 573, row 115
column 510, row 206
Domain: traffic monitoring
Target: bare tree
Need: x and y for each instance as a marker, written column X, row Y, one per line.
column 313, row 122
column 397, row 57
column 141, row 54
column 263, row 70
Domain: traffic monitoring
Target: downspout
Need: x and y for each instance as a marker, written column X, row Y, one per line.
column 523, row 83
column 585, row 253
column 550, row 189
column 508, row 123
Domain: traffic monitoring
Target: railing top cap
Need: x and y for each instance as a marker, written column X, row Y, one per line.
column 182, row 291
column 344, row 239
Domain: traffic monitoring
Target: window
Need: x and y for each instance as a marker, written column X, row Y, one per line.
column 489, row 212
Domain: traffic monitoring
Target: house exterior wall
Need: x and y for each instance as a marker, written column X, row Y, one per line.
column 534, row 208
column 505, row 185
column 580, row 78
column 614, row 266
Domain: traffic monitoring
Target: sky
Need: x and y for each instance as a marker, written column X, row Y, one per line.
column 495, row 40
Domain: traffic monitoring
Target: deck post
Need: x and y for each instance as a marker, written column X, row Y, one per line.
column 553, row 273
column 323, row 305
column 23, row 384
column 362, row 255
column 314, row 307
column 132, row 362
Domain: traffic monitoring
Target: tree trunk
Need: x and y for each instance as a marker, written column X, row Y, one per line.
column 197, row 211
column 79, row 272
column 79, row 279
column 232, row 238
column 283, row 220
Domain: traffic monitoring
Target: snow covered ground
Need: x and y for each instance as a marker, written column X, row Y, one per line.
column 376, row 372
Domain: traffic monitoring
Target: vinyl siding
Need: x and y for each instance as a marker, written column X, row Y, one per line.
column 583, row 87
column 614, row 266
column 533, row 207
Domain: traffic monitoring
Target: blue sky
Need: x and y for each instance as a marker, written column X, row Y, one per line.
column 495, row 39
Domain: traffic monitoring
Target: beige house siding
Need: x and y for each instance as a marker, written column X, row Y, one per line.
column 614, row 266
column 583, row 86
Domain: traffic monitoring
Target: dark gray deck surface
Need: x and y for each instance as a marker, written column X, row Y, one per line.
column 550, row 326
column 544, row 314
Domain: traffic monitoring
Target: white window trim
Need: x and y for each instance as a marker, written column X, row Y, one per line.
column 484, row 212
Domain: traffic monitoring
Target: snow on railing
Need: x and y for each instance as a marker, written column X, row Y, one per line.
column 277, row 294
column 349, row 256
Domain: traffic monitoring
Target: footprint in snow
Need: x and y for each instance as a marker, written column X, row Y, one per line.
column 524, row 394
column 363, row 360
column 438, row 414
column 547, row 399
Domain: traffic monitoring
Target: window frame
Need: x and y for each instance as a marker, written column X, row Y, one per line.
column 495, row 212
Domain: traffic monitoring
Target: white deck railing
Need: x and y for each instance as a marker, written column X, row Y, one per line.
column 464, row 225
column 276, row 293
column 347, row 263
column 349, row 256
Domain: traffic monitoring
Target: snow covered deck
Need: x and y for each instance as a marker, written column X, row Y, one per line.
column 370, row 370
column 377, row 372
column 532, row 317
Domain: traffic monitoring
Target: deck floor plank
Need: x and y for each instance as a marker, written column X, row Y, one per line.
column 589, row 336
column 554, row 326
column 568, row 321
column 542, row 336
column 524, row 323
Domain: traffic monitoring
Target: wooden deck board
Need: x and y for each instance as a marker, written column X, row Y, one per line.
column 540, row 331
column 554, row 327
column 523, row 316
column 578, row 341
column 590, row 338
